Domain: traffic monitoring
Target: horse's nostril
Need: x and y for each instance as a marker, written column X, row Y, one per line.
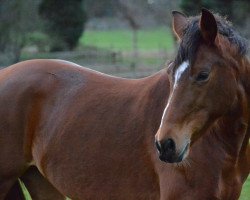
column 166, row 150
column 168, row 145
column 158, row 146
column 165, row 147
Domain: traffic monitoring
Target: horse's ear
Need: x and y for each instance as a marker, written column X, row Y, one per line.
column 208, row 26
column 179, row 23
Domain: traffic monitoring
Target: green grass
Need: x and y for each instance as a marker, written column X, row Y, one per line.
column 121, row 40
column 25, row 191
column 245, row 193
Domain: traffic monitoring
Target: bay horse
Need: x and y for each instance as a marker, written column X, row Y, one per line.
column 71, row 131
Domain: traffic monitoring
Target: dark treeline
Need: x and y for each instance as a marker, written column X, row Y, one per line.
column 236, row 11
column 63, row 22
column 57, row 25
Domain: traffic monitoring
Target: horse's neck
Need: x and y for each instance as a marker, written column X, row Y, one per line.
column 244, row 154
column 229, row 134
column 153, row 98
column 150, row 98
column 245, row 74
column 232, row 131
column 246, row 85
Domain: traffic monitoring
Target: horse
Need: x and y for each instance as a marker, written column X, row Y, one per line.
column 181, row 133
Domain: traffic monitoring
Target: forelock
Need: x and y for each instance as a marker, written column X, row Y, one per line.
column 192, row 39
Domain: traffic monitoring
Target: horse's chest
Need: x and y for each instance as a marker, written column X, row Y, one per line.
column 197, row 184
column 229, row 187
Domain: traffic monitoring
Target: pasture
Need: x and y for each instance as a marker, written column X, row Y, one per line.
column 121, row 40
column 111, row 51
column 245, row 193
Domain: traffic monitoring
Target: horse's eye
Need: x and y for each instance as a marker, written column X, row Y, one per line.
column 202, row 76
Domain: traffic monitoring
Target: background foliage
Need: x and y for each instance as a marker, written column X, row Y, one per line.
column 57, row 25
column 63, row 22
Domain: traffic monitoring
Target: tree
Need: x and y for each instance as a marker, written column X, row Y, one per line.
column 15, row 24
column 127, row 10
column 236, row 11
column 97, row 8
column 191, row 7
column 63, row 22
column 141, row 13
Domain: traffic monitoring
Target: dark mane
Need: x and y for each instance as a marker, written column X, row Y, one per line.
column 192, row 39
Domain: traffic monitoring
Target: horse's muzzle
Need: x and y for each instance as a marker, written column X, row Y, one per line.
column 167, row 151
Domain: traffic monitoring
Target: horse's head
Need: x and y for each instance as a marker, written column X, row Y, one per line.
column 203, row 82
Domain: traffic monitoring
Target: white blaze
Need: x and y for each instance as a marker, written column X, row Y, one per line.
column 178, row 73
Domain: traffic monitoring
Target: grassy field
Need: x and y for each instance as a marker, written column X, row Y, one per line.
column 26, row 193
column 121, row 40
column 245, row 194
column 96, row 48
